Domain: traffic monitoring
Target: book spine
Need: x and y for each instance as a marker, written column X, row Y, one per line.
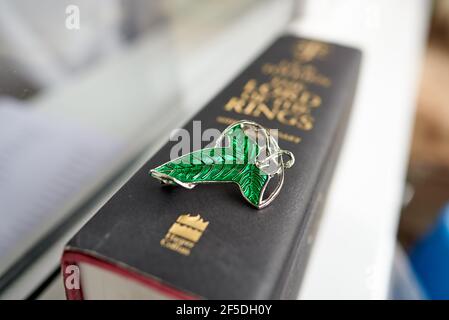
column 302, row 87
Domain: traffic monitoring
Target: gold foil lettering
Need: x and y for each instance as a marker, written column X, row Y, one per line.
column 184, row 233
column 285, row 96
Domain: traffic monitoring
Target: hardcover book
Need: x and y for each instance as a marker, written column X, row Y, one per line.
column 152, row 241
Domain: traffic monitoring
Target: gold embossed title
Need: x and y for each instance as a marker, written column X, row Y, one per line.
column 285, row 97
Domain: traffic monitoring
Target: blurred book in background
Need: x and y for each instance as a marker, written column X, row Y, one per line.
column 44, row 163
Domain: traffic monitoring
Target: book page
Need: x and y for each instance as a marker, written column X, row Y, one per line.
column 44, row 163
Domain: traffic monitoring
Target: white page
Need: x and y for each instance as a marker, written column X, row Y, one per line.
column 44, row 163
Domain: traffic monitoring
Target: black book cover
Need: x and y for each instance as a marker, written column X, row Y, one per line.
column 302, row 87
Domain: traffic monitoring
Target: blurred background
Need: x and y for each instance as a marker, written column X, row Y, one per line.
column 90, row 89
column 424, row 220
column 428, row 171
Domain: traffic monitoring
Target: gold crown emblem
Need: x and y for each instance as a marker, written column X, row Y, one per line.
column 310, row 50
column 195, row 222
column 184, row 233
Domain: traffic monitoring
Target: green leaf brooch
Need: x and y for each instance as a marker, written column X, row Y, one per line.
column 250, row 159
